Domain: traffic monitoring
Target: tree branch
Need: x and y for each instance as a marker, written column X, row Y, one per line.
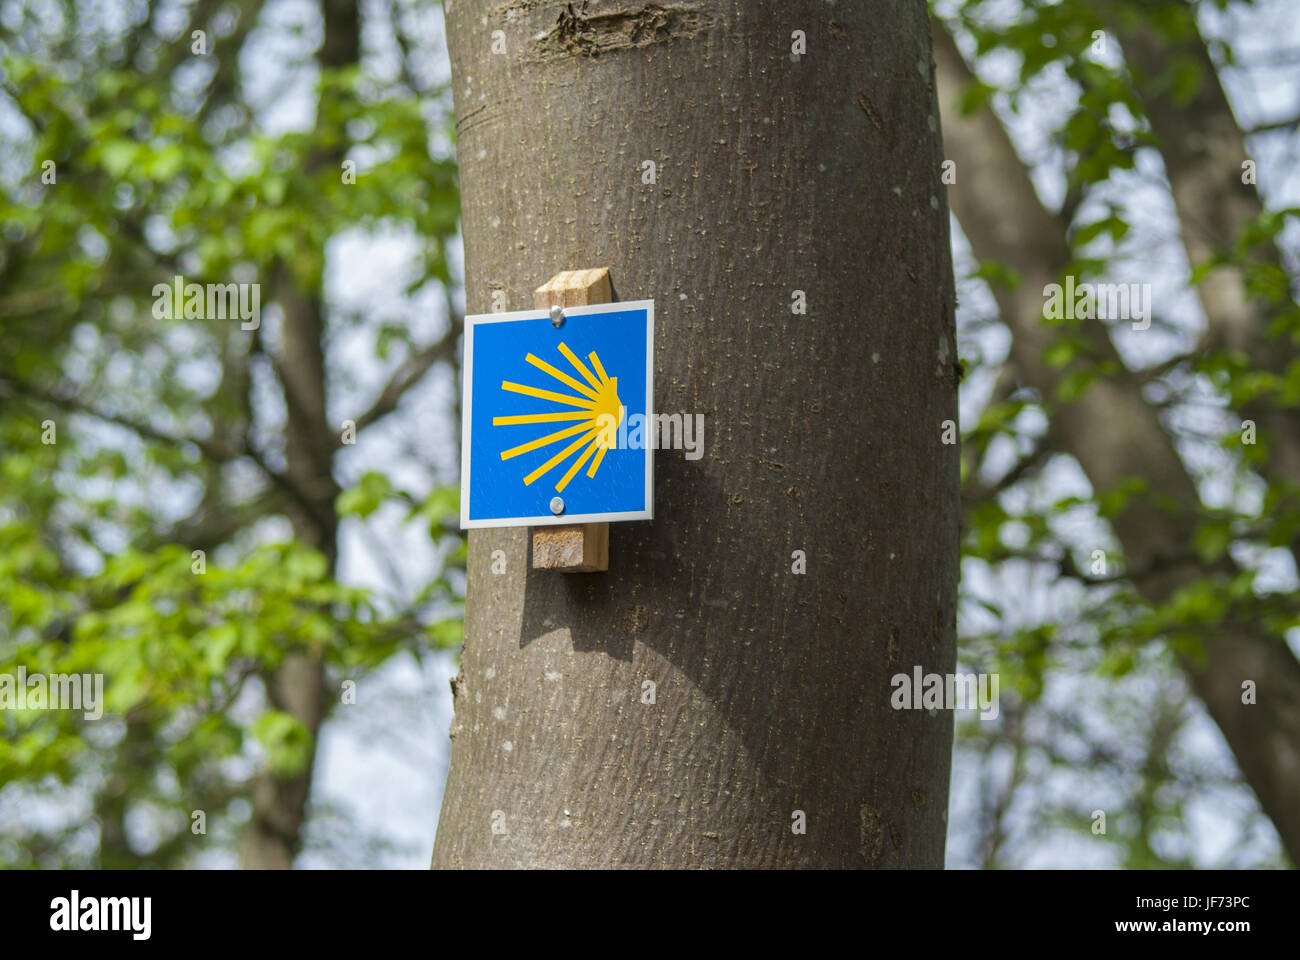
column 409, row 374
column 1114, row 434
column 975, row 492
column 213, row 451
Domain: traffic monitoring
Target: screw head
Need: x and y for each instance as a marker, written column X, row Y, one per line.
column 557, row 315
column 557, row 506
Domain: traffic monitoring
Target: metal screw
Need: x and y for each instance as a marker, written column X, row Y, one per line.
column 557, row 318
column 557, row 506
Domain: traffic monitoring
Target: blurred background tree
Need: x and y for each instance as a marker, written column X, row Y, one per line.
column 182, row 533
column 1131, row 488
column 1155, row 683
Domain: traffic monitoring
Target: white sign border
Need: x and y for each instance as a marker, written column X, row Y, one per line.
column 466, row 418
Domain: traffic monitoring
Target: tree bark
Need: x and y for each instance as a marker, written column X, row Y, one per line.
column 771, row 689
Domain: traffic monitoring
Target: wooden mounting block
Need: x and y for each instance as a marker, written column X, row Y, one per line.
column 579, row 547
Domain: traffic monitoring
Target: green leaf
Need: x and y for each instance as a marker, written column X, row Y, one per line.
column 448, row 633
column 117, row 156
column 976, row 96
column 305, row 566
column 286, row 741
column 365, row 498
column 219, row 645
column 1212, row 540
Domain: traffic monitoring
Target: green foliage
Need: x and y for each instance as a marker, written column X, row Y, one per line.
column 366, row 497
column 1068, row 615
column 158, row 442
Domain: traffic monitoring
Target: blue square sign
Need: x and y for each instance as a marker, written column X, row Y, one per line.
column 545, row 433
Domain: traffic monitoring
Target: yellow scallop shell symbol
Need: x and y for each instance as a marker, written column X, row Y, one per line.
column 599, row 413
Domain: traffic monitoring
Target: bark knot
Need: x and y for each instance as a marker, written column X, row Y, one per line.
column 580, row 31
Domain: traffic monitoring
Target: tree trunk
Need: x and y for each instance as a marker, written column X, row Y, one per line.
column 771, row 689
column 273, row 836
